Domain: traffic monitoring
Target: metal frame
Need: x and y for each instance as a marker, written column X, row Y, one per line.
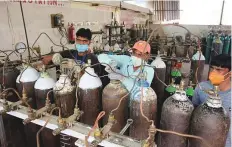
column 78, row 130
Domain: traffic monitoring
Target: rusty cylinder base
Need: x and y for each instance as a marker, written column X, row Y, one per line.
column 14, row 130
column 66, row 102
column 139, row 128
column 111, row 96
column 47, row 139
column 175, row 116
column 90, row 103
column 30, row 131
column 159, row 88
column 212, row 124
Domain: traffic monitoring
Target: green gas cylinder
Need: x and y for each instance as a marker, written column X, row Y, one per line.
column 226, row 46
column 209, row 46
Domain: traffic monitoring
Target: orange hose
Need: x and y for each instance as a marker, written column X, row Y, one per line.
column 100, row 115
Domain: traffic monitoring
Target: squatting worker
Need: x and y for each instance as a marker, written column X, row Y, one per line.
column 81, row 51
column 130, row 65
column 220, row 72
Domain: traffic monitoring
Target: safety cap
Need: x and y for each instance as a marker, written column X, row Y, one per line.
column 142, row 46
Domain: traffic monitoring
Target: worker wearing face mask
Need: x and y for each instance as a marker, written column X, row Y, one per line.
column 130, row 66
column 220, row 74
column 80, row 53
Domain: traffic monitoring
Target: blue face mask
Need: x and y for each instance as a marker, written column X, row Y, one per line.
column 82, row 47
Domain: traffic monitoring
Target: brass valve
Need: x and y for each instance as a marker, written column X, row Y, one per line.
column 64, row 123
column 149, row 142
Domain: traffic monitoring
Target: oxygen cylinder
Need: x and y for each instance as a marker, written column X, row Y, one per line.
column 90, row 96
column 64, row 95
column 226, row 46
column 8, row 80
column 210, row 121
column 216, row 46
column 197, row 64
column 175, row 116
column 42, row 86
column 138, row 129
column 14, row 129
column 134, row 32
column 111, row 96
column 181, row 51
column 140, row 32
column 222, row 38
column 27, row 79
column 157, row 85
column 209, row 47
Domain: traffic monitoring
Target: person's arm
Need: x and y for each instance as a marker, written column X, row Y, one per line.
column 120, row 59
column 129, row 82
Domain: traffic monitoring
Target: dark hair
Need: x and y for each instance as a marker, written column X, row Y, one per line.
column 85, row 33
column 222, row 60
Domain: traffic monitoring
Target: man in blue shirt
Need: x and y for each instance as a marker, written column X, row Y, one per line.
column 220, row 66
column 131, row 66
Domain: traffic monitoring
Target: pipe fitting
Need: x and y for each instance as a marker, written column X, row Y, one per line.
column 61, row 126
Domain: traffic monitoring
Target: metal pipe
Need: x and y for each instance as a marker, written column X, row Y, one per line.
column 222, row 12
column 25, row 29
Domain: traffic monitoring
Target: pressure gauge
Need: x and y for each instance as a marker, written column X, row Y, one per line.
column 20, row 47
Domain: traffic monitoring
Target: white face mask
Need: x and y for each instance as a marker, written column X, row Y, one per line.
column 136, row 61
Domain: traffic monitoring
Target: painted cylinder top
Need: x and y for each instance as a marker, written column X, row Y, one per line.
column 198, row 56
column 44, row 82
column 88, row 81
column 158, row 63
column 28, row 75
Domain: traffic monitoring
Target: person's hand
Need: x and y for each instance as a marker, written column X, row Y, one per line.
column 47, row 59
column 111, row 67
column 57, row 59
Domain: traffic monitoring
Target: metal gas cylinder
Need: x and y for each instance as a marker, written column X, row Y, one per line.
column 209, row 41
column 176, row 114
column 226, row 46
column 64, row 95
column 210, row 121
column 27, row 79
column 181, row 51
column 134, row 32
column 217, row 46
column 90, row 87
column 111, row 96
column 157, row 85
column 138, row 129
column 191, row 51
column 9, row 80
column 42, row 86
column 197, row 65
